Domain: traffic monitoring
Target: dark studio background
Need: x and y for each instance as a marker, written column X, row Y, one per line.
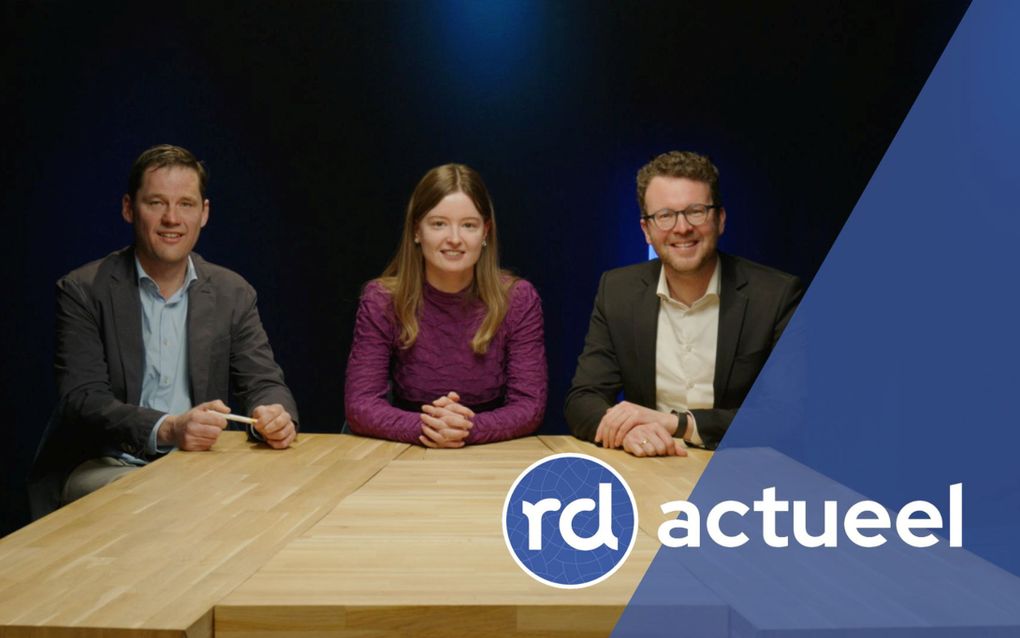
column 316, row 120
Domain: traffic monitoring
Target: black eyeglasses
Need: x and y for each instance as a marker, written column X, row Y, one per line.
column 695, row 214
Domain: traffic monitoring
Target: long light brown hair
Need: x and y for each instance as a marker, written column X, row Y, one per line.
column 405, row 274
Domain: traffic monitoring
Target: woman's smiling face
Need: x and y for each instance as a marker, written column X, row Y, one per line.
column 451, row 237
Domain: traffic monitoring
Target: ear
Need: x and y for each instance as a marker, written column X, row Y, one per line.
column 722, row 220
column 126, row 210
column 644, row 229
column 205, row 213
column 485, row 233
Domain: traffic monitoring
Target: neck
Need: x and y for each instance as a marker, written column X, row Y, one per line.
column 690, row 286
column 169, row 277
column 449, row 281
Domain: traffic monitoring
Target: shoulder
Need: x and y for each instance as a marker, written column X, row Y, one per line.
column 524, row 309
column 756, row 275
column 375, row 289
column 522, row 298
column 521, row 292
column 222, row 280
column 376, row 300
column 375, row 294
column 628, row 276
column 98, row 273
column 375, row 312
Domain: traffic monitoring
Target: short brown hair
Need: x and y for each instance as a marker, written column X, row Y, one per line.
column 692, row 166
column 162, row 156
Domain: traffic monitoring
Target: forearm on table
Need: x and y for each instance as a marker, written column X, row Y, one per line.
column 110, row 421
column 584, row 410
column 514, row 420
column 379, row 419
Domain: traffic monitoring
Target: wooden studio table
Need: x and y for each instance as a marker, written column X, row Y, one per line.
column 339, row 535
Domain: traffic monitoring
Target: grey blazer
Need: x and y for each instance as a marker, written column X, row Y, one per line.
column 100, row 359
column 755, row 304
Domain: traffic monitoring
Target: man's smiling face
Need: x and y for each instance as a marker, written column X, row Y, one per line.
column 167, row 213
column 686, row 249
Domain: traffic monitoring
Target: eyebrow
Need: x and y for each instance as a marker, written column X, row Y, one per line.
column 188, row 198
column 432, row 216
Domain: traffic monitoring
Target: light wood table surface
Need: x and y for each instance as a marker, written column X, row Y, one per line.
column 340, row 535
column 418, row 550
column 150, row 554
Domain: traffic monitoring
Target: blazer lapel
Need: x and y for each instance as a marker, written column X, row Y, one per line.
column 201, row 304
column 646, row 329
column 127, row 316
column 732, row 306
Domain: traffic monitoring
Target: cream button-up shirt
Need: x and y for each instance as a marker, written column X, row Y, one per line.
column 685, row 351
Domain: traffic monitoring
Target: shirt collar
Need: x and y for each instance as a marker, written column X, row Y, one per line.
column 662, row 290
column 189, row 277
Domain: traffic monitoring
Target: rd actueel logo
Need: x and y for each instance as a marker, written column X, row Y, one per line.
column 570, row 520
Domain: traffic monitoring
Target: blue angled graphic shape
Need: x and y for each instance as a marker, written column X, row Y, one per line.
column 896, row 378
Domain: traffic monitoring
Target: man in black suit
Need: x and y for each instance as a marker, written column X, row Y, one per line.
column 150, row 340
column 683, row 336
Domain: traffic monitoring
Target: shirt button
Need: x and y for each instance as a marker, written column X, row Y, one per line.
column 687, row 347
column 165, row 380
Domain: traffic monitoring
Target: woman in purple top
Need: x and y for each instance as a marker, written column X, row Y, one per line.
column 448, row 348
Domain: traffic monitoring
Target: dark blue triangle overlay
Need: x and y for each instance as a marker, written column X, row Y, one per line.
column 898, row 376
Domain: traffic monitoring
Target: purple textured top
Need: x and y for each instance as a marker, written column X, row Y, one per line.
column 506, row 386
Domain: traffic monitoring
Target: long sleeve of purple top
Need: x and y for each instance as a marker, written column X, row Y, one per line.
column 507, row 384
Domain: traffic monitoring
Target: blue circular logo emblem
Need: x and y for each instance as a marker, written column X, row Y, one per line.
column 570, row 520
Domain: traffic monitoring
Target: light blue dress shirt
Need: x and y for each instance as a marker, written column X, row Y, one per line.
column 165, row 380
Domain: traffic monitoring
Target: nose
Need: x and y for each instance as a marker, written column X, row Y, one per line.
column 171, row 216
column 682, row 225
column 454, row 237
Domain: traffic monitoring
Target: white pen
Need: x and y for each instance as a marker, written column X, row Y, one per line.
column 239, row 419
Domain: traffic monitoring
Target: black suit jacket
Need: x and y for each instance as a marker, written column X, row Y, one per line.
column 755, row 304
column 100, row 360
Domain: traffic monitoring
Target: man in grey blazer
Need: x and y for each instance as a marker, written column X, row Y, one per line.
column 683, row 336
column 150, row 342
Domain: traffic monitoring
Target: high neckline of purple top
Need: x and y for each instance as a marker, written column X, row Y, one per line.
column 438, row 295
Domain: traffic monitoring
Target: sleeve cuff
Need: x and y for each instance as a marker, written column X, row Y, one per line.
column 695, row 437
column 152, row 448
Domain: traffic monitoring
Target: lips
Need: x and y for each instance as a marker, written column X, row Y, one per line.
column 684, row 245
column 452, row 254
column 170, row 237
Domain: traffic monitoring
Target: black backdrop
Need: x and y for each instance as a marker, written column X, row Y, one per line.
column 317, row 118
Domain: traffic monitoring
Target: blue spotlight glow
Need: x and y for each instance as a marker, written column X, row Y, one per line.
column 491, row 41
